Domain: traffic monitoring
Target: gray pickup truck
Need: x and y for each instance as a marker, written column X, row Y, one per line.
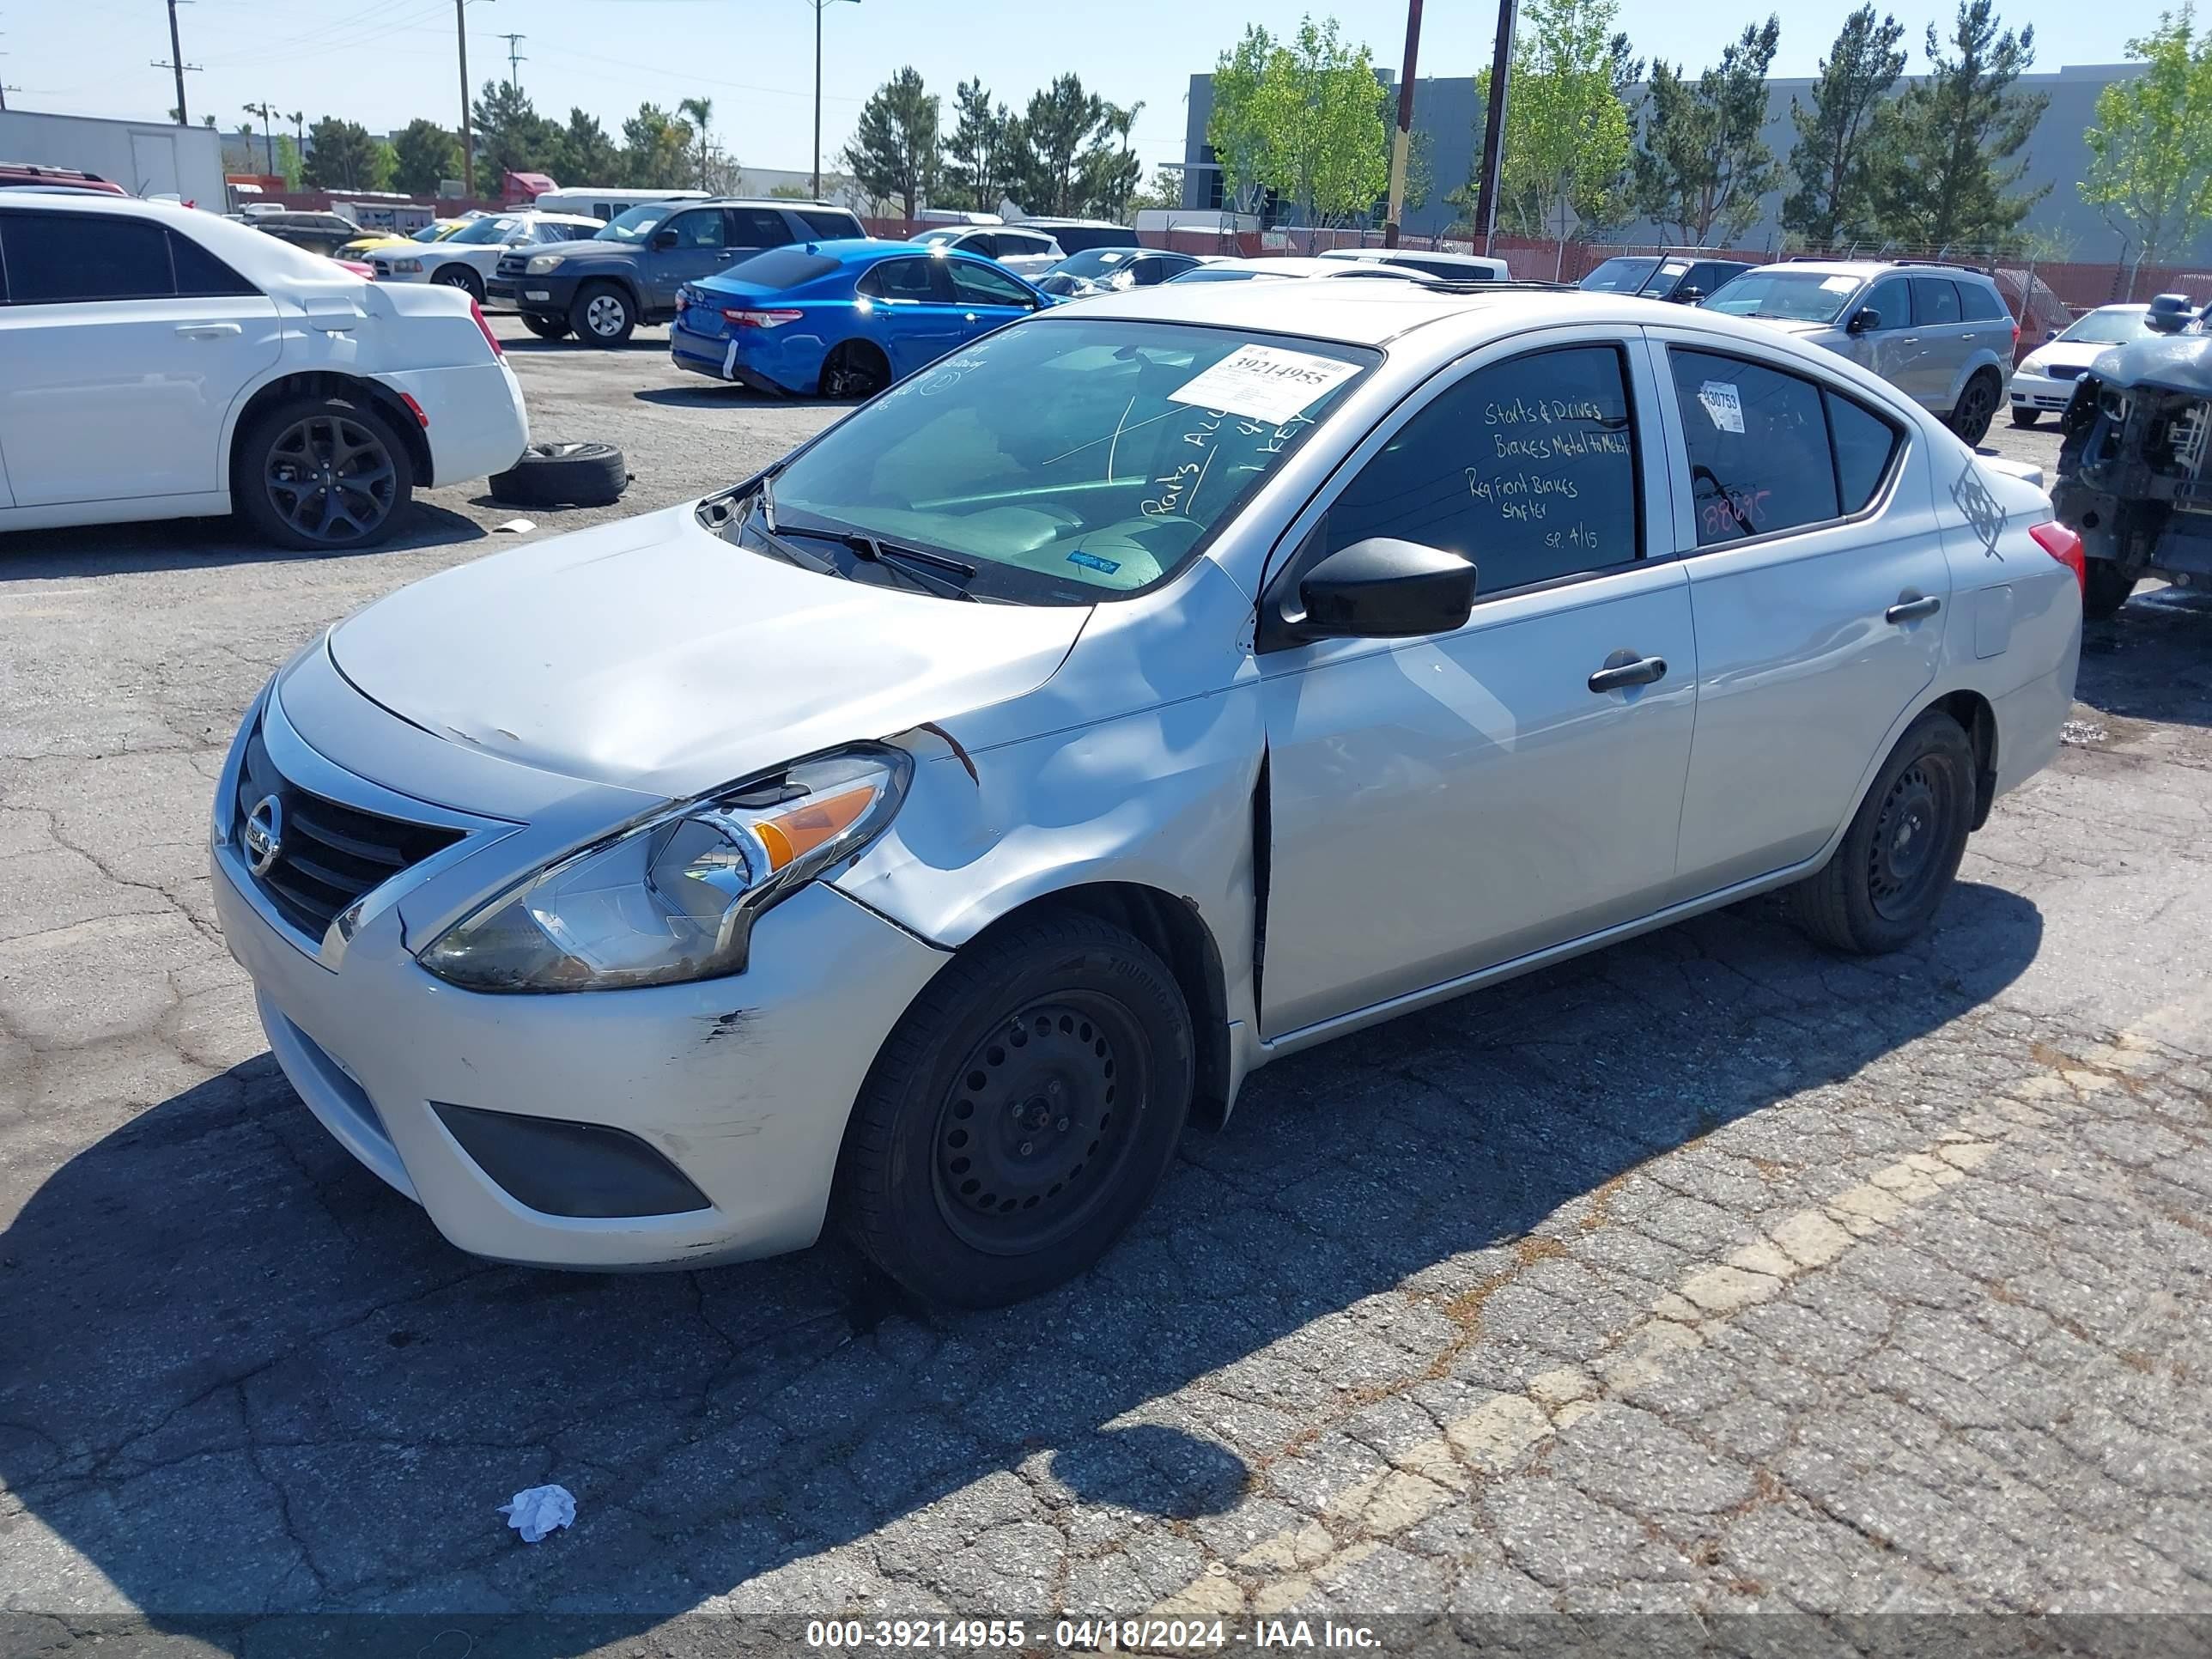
column 602, row 287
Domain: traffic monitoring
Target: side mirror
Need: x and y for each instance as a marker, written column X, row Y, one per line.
column 1687, row 295
column 1381, row 589
column 1865, row 320
column 663, row 239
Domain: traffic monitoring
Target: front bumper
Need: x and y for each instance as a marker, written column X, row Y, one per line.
column 741, row 1087
column 533, row 296
column 2042, row 392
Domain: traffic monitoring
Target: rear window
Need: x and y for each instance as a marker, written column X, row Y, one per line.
column 1981, row 302
column 1935, row 301
column 782, row 267
column 833, row 227
column 1081, row 239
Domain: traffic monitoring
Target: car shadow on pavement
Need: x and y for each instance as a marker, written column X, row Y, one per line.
column 2154, row 660
column 189, row 543
column 711, row 393
column 242, row 1377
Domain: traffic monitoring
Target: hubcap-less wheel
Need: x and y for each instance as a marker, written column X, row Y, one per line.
column 1977, row 406
column 851, row 374
column 606, row 316
column 1907, row 849
column 331, row 478
column 1039, row 1122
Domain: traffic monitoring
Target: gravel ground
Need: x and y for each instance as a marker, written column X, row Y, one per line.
column 1706, row 1275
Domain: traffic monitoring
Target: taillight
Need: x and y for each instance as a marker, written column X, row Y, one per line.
column 484, row 328
column 761, row 319
column 682, row 301
column 2016, row 334
column 2063, row 545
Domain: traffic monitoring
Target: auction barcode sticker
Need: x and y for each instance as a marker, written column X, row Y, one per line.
column 1264, row 382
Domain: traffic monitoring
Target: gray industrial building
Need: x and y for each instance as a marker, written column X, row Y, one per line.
column 1449, row 111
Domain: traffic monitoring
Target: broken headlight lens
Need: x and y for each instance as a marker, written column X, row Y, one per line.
column 675, row 898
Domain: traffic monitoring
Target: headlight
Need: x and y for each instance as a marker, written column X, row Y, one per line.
column 2031, row 364
column 408, row 265
column 675, row 898
column 541, row 263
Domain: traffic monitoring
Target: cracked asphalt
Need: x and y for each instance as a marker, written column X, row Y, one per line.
column 1706, row 1275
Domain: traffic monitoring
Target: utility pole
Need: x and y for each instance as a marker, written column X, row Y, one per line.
column 512, row 57
column 819, row 6
column 1401, row 145
column 1493, row 127
column 177, row 63
column 468, row 145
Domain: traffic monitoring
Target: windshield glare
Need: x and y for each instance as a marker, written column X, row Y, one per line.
column 1096, row 262
column 1619, row 275
column 2108, row 326
column 1788, row 296
column 486, row 230
column 634, row 226
column 1071, row 460
column 932, row 238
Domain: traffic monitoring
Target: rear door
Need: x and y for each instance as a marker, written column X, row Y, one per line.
column 124, row 345
column 751, row 230
column 1942, row 341
column 1819, row 587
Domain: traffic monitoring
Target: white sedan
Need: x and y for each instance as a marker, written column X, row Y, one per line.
column 2044, row 382
column 467, row 258
column 919, row 832
column 158, row 362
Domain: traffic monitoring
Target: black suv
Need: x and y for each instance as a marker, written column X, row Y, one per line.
column 601, row 288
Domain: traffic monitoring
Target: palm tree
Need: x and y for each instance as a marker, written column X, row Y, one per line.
column 698, row 110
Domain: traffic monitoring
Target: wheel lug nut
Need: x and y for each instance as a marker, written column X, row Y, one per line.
column 1026, row 1149
column 1062, row 1126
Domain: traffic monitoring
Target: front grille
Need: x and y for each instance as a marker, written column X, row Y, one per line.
column 328, row 855
column 2066, row 371
column 511, row 264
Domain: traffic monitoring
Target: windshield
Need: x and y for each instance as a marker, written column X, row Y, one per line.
column 486, row 230
column 933, row 238
column 1070, row 460
column 1788, row 296
column 1620, row 275
column 633, row 226
column 1098, row 261
column 2109, row 326
column 429, row 234
column 1225, row 274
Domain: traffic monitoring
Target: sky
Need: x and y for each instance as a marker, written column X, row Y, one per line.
column 384, row 62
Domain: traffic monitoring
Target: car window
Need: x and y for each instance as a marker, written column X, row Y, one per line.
column 700, row 230
column 830, row 227
column 1934, row 300
column 1864, row 445
column 1891, row 300
column 1787, row 296
column 980, row 241
column 1620, row 275
column 2110, row 326
column 757, row 227
column 1527, row 467
column 56, row 259
column 200, row 275
column 977, row 284
column 1980, row 303
column 1015, row 243
column 479, row 231
column 1758, row 439
column 900, row 279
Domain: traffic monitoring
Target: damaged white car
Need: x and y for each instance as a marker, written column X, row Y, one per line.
column 924, row 830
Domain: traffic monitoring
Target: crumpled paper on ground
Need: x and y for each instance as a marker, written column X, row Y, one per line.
column 539, row 1511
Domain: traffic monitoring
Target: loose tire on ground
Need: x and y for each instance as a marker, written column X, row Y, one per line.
column 461, row 277
column 2107, row 589
column 1898, row 858
column 602, row 314
column 321, row 474
column 1020, row 1115
column 546, row 328
column 564, row 475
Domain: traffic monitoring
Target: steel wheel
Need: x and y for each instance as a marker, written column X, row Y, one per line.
column 1038, row 1123
column 1906, row 852
column 331, row 478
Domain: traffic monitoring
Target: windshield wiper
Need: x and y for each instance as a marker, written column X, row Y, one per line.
column 947, row 578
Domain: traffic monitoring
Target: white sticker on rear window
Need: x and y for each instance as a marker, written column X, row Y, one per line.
column 1264, row 382
column 1840, row 284
column 1721, row 404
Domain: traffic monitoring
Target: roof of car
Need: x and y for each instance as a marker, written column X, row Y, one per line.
column 1869, row 268
column 1371, row 313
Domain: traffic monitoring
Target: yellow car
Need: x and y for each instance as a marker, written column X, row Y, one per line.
column 436, row 231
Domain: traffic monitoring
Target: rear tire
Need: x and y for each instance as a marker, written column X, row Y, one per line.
column 855, row 370
column 546, row 328
column 2022, row 416
column 279, row 468
column 1976, row 407
column 603, row 314
column 461, row 277
column 1057, row 1050
column 2107, row 589
column 1897, row 861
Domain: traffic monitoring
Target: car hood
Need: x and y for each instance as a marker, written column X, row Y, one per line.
column 654, row 655
column 2164, row 362
column 1803, row 330
column 585, row 247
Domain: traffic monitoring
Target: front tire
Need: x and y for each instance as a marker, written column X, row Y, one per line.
column 322, row 474
column 855, row 370
column 602, row 315
column 460, row 277
column 1020, row 1115
column 2107, row 589
column 1977, row 407
column 1897, row 861
column 2023, row 416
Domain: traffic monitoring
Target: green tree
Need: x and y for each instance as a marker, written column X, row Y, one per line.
column 1956, row 130
column 424, row 155
column 1567, row 139
column 1233, row 129
column 656, row 149
column 791, row 193
column 1842, row 137
column 977, row 168
column 343, row 156
column 699, row 112
column 1049, row 143
column 511, row 136
column 2150, row 152
column 893, row 154
column 583, row 153
column 1302, row 118
column 1703, row 166
column 1166, row 190
column 1108, row 169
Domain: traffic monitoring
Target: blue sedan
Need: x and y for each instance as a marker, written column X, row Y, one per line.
column 843, row 318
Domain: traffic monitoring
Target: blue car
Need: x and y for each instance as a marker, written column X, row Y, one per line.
column 843, row 319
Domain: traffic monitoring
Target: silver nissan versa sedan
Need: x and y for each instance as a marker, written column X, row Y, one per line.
column 923, row 830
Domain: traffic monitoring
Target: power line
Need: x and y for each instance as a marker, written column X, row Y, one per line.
column 177, row 63
column 512, row 57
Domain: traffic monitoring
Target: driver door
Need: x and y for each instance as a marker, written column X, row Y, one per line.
column 987, row 296
column 1888, row 349
column 1445, row 805
column 690, row 245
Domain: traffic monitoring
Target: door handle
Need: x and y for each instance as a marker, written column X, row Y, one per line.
column 723, row 257
column 1624, row 668
column 971, row 317
column 1912, row 608
column 208, row 331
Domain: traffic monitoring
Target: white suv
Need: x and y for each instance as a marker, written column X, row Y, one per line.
column 158, row 362
column 467, row 258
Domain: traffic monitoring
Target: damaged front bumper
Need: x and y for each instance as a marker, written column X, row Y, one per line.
column 2134, row 476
